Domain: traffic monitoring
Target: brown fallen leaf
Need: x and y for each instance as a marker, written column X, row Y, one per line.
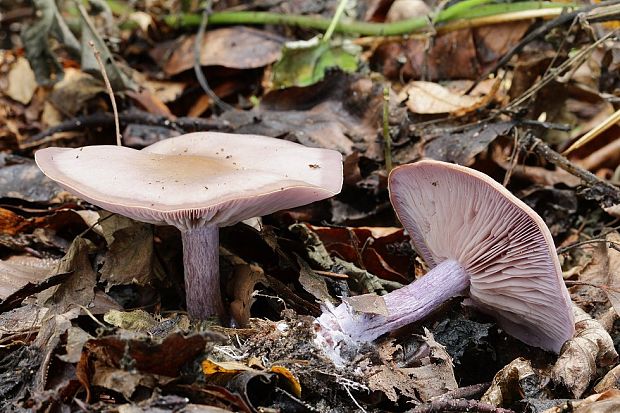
column 506, row 385
column 606, row 402
column 368, row 304
column 237, row 47
column 21, row 81
column 78, row 289
column 241, row 287
column 14, row 276
column 433, row 377
column 599, row 273
column 591, row 347
column 432, row 98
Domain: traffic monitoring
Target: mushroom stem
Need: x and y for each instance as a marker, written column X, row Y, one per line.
column 202, row 272
column 405, row 305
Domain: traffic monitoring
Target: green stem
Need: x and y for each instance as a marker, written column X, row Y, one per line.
column 335, row 20
column 454, row 12
column 360, row 28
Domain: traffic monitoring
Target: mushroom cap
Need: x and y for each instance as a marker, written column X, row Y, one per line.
column 454, row 212
column 197, row 179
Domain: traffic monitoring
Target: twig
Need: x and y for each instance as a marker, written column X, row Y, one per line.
column 598, row 190
column 465, row 392
column 574, row 61
column 596, row 131
column 542, row 30
column 102, row 119
column 108, row 87
column 387, row 139
column 202, row 80
column 567, row 248
column 458, row 405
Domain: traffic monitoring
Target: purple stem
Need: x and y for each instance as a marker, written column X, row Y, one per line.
column 406, row 305
column 202, row 272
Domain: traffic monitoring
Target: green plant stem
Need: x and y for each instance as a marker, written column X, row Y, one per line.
column 360, row 28
column 335, row 20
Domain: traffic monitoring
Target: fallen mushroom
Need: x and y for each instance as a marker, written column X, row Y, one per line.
column 197, row 182
column 481, row 242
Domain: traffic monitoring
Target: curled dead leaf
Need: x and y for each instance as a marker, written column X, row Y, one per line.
column 591, row 346
column 506, row 385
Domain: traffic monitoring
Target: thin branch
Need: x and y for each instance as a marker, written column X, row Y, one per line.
column 202, row 80
column 547, row 27
column 387, row 139
column 108, row 87
column 103, row 119
column 597, row 189
column 458, row 405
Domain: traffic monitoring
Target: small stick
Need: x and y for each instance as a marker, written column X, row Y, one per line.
column 108, row 86
column 604, row 192
column 387, row 139
column 600, row 128
column 458, row 405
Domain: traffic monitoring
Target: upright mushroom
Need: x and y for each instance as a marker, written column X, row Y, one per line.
column 480, row 241
column 197, row 182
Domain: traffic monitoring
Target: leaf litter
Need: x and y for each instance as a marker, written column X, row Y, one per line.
column 91, row 317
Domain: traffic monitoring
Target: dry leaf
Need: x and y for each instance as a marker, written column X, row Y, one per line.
column 136, row 320
column 313, row 283
column 14, row 276
column 368, row 304
column 233, row 47
column 590, row 347
column 432, row 98
column 241, row 287
column 607, row 402
column 609, row 381
column 21, row 80
column 506, row 386
column 433, row 377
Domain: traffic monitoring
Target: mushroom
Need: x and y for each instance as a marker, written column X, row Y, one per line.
column 480, row 241
column 197, row 182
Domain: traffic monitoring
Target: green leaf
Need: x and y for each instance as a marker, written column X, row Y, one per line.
column 305, row 63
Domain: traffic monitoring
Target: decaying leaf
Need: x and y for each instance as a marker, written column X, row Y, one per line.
column 313, row 283
column 136, row 320
column 14, row 276
column 241, row 287
column 79, row 288
column 236, row 373
column 606, row 402
column 23, row 319
column 130, row 256
column 506, row 386
column 590, row 347
column 611, row 380
column 433, row 377
column 368, row 304
column 463, row 147
column 22, row 83
column 600, row 273
column 137, row 358
column 74, row 91
column 236, row 47
column 76, row 338
column 432, row 98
